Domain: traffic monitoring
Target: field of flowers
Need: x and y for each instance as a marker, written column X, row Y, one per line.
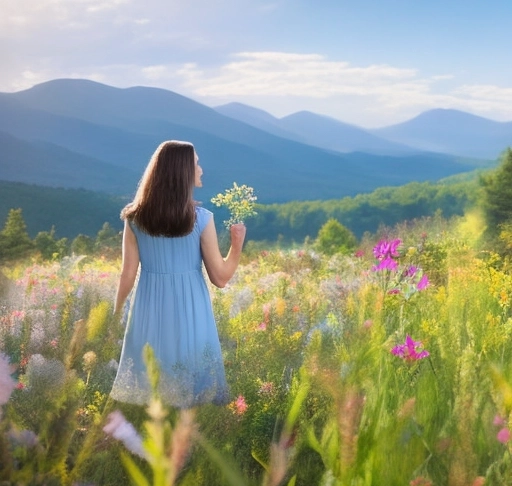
column 389, row 366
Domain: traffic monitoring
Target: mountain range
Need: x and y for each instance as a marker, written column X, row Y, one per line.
column 75, row 133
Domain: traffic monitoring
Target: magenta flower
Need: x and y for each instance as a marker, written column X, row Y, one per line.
column 386, row 264
column 423, row 283
column 386, row 249
column 410, row 271
column 408, row 351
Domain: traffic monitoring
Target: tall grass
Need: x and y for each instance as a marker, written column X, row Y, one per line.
column 344, row 370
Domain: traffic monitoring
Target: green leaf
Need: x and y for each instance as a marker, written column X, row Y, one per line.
column 229, row 469
column 136, row 475
column 262, row 464
column 301, row 395
column 292, row 481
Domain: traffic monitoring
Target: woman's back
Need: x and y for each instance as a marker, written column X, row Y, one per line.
column 182, row 254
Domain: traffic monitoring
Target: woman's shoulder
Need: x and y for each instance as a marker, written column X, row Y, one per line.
column 203, row 215
column 203, row 212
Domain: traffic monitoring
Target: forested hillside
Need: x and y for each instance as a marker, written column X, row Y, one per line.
column 72, row 212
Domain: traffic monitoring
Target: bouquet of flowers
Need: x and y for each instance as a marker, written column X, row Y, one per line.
column 239, row 200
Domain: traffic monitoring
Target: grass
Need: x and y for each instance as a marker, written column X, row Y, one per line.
column 319, row 398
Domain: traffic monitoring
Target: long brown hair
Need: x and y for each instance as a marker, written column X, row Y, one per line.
column 163, row 204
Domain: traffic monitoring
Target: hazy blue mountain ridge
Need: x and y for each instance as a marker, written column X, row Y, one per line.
column 439, row 130
column 452, row 131
column 99, row 127
column 317, row 130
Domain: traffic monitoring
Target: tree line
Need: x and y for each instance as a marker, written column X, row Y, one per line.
column 15, row 242
column 332, row 224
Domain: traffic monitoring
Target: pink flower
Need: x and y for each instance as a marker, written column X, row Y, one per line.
column 7, row 384
column 239, row 406
column 266, row 387
column 359, row 254
column 368, row 323
column 18, row 314
column 499, row 421
column 119, row 428
column 421, row 481
column 408, row 351
column 503, row 435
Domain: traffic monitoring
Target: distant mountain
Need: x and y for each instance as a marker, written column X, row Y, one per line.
column 317, row 130
column 323, row 131
column 259, row 119
column 106, row 135
column 453, row 132
column 46, row 164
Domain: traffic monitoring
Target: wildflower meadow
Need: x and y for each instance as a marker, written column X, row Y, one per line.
column 388, row 365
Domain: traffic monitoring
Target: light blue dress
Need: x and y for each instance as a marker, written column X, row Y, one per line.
column 171, row 310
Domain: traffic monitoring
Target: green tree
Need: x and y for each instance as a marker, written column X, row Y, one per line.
column 82, row 245
column 333, row 238
column 498, row 195
column 15, row 242
column 48, row 246
column 107, row 238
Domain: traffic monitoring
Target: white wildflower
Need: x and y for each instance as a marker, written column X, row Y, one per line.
column 241, row 301
column 7, row 384
column 119, row 428
column 113, row 364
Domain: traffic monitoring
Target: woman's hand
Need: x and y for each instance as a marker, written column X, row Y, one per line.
column 238, row 232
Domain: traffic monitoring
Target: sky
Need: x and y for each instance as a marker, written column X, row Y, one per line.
column 371, row 63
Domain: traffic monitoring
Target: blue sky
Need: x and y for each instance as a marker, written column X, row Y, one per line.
column 367, row 62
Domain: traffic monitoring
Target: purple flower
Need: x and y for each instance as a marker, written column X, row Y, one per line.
column 386, row 249
column 410, row 271
column 423, row 283
column 408, row 351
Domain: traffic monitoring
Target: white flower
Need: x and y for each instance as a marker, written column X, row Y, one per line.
column 239, row 200
column 113, row 364
column 7, row 384
column 119, row 428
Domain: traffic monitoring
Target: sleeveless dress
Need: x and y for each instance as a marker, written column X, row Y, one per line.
column 171, row 310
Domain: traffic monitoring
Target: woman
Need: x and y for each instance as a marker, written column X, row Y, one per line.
column 171, row 237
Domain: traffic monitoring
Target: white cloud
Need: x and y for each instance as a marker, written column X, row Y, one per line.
column 290, row 74
column 20, row 19
column 392, row 92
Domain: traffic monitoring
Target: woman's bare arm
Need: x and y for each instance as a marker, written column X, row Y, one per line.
column 219, row 269
column 130, row 266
